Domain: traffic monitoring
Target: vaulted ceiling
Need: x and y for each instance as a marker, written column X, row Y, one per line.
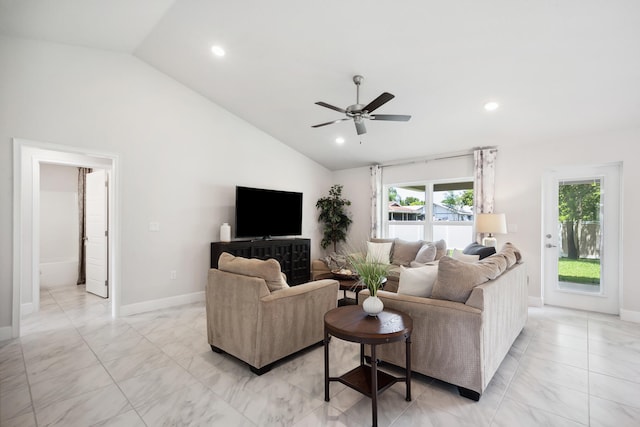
column 557, row 68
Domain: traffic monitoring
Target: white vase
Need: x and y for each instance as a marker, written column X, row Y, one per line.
column 225, row 232
column 372, row 305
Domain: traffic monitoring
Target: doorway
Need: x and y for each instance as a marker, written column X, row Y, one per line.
column 581, row 242
column 28, row 156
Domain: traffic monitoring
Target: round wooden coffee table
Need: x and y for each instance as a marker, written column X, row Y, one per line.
column 351, row 323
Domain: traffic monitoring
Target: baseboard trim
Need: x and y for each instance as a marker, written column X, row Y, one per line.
column 6, row 332
column 157, row 304
column 629, row 315
column 26, row 308
column 535, row 302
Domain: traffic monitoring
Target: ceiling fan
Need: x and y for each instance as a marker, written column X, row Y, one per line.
column 359, row 112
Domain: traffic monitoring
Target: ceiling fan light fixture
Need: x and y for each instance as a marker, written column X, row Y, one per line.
column 218, row 51
column 361, row 112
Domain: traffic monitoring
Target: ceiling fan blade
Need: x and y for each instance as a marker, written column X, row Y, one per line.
column 391, row 117
column 360, row 127
column 378, row 102
column 324, row 104
column 331, row 122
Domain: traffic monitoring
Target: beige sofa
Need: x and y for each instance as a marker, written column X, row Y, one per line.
column 402, row 254
column 462, row 342
column 254, row 316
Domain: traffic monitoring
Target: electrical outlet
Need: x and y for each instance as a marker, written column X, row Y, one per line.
column 173, row 274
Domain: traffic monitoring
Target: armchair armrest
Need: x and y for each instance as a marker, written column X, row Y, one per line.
column 293, row 318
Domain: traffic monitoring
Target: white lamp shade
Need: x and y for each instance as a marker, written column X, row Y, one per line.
column 492, row 223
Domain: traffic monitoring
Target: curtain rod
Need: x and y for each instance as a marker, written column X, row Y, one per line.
column 425, row 160
column 454, row 155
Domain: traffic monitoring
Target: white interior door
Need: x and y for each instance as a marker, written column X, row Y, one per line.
column 581, row 241
column 96, row 249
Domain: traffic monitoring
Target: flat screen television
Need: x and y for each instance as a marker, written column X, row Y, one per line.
column 262, row 213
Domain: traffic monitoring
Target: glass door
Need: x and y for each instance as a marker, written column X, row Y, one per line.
column 581, row 238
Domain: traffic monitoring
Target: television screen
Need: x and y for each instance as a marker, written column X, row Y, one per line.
column 264, row 213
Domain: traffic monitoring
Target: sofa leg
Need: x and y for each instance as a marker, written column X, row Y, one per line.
column 469, row 394
column 215, row 349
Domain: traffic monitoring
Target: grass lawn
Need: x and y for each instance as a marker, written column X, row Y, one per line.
column 582, row 270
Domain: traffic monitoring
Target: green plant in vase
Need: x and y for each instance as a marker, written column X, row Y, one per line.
column 373, row 274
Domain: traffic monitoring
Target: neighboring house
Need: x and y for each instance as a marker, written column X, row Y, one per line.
column 441, row 212
column 447, row 213
column 397, row 212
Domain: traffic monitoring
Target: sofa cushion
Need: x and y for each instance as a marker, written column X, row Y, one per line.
column 457, row 254
column 269, row 269
column 426, row 253
column 379, row 252
column 404, row 252
column 511, row 253
column 478, row 249
column 456, row 279
column 417, row 281
column 441, row 248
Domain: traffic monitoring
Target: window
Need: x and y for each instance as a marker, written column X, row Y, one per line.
column 448, row 215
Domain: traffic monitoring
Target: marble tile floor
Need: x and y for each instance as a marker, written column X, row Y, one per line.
column 75, row 366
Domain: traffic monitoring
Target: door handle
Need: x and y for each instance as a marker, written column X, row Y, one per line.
column 549, row 245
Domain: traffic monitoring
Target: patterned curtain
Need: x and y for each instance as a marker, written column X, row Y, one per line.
column 376, row 201
column 484, row 181
column 82, row 197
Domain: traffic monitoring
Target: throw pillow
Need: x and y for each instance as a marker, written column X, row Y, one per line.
column 426, row 253
column 478, row 249
column 336, row 261
column 417, row 281
column 380, row 240
column 404, row 252
column 268, row 270
column 379, row 252
column 441, row 248
column 513, row 254
column 457, row 254
column 456, row 279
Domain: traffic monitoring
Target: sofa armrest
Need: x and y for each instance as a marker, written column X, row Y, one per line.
column 504, row 305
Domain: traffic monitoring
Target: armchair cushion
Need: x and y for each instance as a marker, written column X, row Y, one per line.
column 269, row 269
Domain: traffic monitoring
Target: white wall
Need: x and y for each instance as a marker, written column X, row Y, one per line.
column 519, row 172
column 59, row 225
column 180, row 158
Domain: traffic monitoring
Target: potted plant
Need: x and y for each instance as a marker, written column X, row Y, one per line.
column 373, row 274
column 334, row 217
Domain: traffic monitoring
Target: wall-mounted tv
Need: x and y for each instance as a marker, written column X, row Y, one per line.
column 264, row 213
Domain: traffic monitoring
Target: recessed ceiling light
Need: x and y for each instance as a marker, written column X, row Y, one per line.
column 339, row 140
column 217, row 50
column 491, row 106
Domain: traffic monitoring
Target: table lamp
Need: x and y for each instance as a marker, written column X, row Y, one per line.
column 491, row 223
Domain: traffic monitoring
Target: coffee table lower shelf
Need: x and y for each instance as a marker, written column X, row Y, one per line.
column 359, row 379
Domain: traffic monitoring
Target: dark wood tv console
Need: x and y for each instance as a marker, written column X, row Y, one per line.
column 294, row 255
